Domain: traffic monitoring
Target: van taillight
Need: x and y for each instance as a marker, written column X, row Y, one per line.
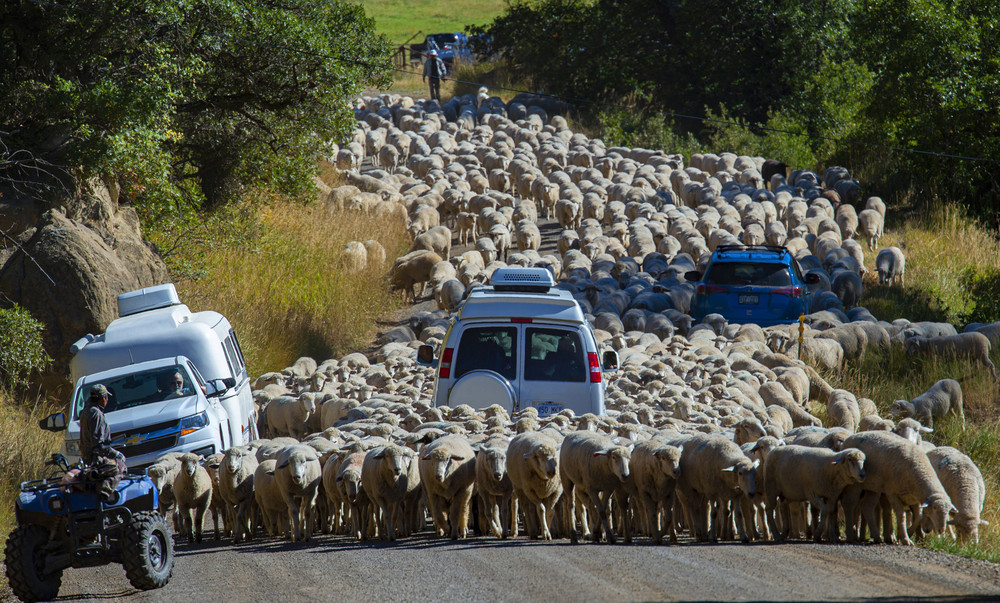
column 445, row 371
column 710, row 289
column 595, row 367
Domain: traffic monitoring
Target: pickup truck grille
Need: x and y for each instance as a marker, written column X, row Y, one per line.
column 148, row 446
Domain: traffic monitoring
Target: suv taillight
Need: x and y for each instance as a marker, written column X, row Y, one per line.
column 710, row 289
column 595, row 367
column 445, row 371
column 789, row 291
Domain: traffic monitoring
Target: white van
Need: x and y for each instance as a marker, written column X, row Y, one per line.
column 157, row 340
column 518, row 343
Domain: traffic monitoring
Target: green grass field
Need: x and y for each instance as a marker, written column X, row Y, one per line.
column 400, row 20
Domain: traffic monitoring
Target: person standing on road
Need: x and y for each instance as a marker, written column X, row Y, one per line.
column 95, row 441
column 435, row 69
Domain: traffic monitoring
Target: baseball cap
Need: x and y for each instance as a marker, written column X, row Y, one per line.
column 98, row 391
column 432, row 53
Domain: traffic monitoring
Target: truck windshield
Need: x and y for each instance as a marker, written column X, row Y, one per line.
column 136, row 389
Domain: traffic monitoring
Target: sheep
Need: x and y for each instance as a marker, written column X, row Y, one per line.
column 773, row 392
column 376, row 253
column 236, row 489
column 891, row 265
column 163, row 473
column 493, row 487
column 910, row 429
column 465, row 223
column 964, row 484
column 714, row 471
column 355, row 256
column 193, row 491
column 436, row 239
column 898, row 470
column 592, row 465
column 748, row 430
column 450, row 294
column 528, row 236
column 973, row 346
column 290, row 416
column 412, row 268
column 870, row 227
column 269, row 500
column 448, row 473
column 347, row 482
column 388, row 475
column 654, row 467
column 298, row 475
column 944, row 397
column 533, row 467
column 843, row 410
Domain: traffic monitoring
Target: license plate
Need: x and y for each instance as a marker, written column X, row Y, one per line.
column 753, row 299
column 548, row 408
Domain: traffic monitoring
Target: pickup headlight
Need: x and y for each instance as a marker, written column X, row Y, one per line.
column 73, row 447
column 194, row 423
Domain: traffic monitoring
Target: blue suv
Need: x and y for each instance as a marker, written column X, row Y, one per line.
column 760, row 284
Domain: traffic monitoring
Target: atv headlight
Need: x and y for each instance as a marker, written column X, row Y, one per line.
column 194, row 423
column 73, row 447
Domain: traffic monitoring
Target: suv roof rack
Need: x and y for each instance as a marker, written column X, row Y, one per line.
column 528, row 280
column 776, row 248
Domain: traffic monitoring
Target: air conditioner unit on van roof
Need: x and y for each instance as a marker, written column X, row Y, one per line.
column 522, row 279
column 150, row 298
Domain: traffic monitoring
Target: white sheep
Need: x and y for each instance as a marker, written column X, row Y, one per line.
column 193, row 491
column 654, row 468
column 891, row 266
column 288, row 416
column 389, row 474
column 592, row 465
column 270, row 502
column 493, row 487
column 817, row 476
column 714, row 471
column 347, row 476
column 298, row 474
column 533, row 466
column 236, row 489
column 964, row 484
column 973, row 346
column 842, row 410
column 943, row 398
column 870, row 227
column 448, row 473
column 898, row 470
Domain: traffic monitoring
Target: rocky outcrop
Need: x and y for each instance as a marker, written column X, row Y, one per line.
column 67, row 265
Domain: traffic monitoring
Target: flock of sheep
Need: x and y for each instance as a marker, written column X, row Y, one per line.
column 710, row 426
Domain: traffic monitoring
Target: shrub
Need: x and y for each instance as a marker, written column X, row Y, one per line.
column 21, row 351
column 983, row 290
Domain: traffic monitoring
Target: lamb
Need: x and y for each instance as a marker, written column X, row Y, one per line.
column 465, row 223
column 388, row 475
column 593, row 465
column 290, row 416
column 899, row 470
column 193, row 491
column 964, row 484
column 448, row 473
column 714, row 471
column 236, row 489
column 494, row 487
column 814, row 475
column 973, row 346
column 412, row 268
column 298, row 474
column 891, row 265
column 944, row 397
column 654, row 467
column 533, row 467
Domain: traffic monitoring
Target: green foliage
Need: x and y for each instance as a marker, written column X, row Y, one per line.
column 983, row 290
column 185, row 102
column 645, row 129
column 21, row 351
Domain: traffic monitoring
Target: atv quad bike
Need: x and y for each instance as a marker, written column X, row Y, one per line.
column 64, row 522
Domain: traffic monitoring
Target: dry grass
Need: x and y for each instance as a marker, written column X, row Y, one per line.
column 288, row 295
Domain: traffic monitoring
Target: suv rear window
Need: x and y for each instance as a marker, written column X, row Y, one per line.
column 749, row 273
column 554, row 355
column 490, row 348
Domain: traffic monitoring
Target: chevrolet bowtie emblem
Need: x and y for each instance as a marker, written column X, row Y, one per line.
column 134, row 440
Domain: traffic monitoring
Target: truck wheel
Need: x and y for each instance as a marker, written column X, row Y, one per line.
column 148, row 551
column 25, row 560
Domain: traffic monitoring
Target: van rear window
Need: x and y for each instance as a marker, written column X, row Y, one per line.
column 554, row 355
column 490, row 348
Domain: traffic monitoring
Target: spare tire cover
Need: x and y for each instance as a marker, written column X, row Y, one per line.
column 481, row 389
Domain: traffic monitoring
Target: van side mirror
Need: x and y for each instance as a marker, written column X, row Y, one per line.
column 425, row 355
column 692, row 275
column 609, row 362
column 56, row 422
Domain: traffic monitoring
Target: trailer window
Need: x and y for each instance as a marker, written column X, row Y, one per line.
column 234, row 364
column 239, row 352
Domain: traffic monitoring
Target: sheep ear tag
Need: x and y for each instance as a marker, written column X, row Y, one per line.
column 601, row 453
column 457, row 458
column 837, row 461
column 731, row 468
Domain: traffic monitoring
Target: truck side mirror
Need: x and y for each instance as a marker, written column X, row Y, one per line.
column 692, row 275
column 609, row 362
column 425, row 355
column 217, row 387
column 56, row 422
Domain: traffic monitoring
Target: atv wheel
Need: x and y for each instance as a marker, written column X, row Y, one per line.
column 148, row 551
column 25, row 560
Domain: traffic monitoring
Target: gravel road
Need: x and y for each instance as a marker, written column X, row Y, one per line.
column 425, row 568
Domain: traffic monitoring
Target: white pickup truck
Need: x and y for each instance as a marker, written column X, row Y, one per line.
column 177, row 380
